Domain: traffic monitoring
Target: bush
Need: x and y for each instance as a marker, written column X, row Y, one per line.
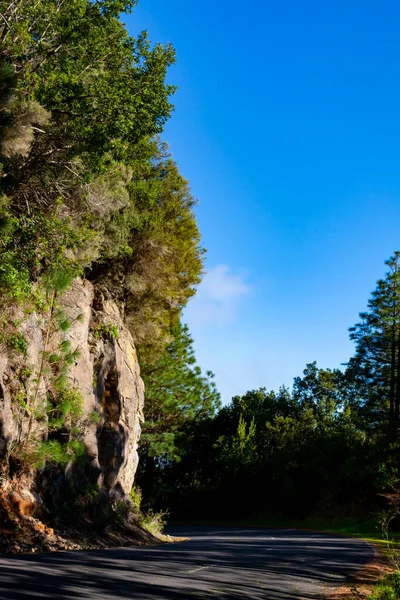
column 388, row 589
column 153, row 522
column 17, row 341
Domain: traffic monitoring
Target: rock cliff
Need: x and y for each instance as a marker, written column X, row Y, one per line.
column 105, row 370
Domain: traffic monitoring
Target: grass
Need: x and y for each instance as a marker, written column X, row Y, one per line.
column 387, row 589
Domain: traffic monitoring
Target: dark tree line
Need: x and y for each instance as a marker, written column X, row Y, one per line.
column 329, row 446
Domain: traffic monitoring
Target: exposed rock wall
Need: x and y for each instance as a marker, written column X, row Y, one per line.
column 106, row 372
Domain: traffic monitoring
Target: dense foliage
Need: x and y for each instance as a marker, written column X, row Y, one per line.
column 177, row 397
column 86, row 187
column 328, row 447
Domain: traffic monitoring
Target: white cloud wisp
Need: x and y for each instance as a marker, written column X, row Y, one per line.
column 217, row 298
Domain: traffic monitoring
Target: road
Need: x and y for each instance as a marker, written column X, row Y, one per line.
column 226, row 563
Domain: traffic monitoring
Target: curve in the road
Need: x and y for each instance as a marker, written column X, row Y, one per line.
column 226, row 563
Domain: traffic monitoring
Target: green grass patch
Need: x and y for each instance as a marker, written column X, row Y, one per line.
column 387, row 589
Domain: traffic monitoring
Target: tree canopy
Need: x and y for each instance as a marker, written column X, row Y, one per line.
column 87, row 187
column 327, row 447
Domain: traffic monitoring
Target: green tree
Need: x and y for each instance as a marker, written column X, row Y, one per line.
column 375, row 367
column 86, row 185
column 77, row 94
column 321, row 391
column 102, row 89
column 177, row 395
column 151, row 254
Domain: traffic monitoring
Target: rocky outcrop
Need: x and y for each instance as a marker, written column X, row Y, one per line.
column 105, row 370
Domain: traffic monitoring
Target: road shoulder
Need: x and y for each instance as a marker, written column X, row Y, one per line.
column 363, row 582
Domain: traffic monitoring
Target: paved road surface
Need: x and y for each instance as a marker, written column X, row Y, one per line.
column 226, row 563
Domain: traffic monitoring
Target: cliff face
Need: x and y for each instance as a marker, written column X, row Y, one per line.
column 106, row 372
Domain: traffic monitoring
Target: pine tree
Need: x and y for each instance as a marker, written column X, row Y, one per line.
column 375, row 367
column 177, row 395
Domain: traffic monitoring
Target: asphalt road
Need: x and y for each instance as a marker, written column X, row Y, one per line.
column 227, row 563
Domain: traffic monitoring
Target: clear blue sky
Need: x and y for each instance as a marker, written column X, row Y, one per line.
column 287, row 127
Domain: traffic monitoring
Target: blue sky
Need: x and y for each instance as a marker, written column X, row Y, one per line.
column 287, row 126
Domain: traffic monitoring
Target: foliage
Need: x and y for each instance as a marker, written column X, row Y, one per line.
column 375, row 367
column 177, row 395
column 387, row 589
column 328, row 447
column 153, row 522
column 81, row 496
column 62, row 412
column 85, row 185
column 136, row 498
column 17, row 341
column 151, row 255
column 104, row 89
column 150, row 520
column 65, row 409
column 106, row 331
column 266, row 452
column 56, row 452
column 239, row 451
column 86, row 189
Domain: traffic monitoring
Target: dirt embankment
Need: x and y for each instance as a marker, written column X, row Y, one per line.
column 23, row 532
column 363, row 582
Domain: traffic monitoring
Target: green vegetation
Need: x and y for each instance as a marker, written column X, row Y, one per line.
column 106, row 331
column 151, row 521
column 387, row 589
column 326, row 451
column 17, row 341
column 87, row 188
column 55, row 452
column 177, row 396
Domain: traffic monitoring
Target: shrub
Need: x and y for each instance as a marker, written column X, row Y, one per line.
column 388, row 589
column 106, row 332
column 17, row 341
column 153, row 522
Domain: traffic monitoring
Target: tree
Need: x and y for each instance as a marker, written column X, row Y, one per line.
column 102, row 89
column 177, row 395
column 86, row 186
column 151, row 255
column 321, row 391
column 77, row 94
column 375, row 367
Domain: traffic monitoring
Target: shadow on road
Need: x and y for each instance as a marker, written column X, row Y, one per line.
column 215, row 563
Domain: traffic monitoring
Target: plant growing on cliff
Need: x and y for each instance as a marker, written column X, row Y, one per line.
column 106, row 331
column 151, row 255
column 64, row 412
column 17, row 341
column 55, row 283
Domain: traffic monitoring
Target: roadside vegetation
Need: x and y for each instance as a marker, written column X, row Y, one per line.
column 323, row 455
